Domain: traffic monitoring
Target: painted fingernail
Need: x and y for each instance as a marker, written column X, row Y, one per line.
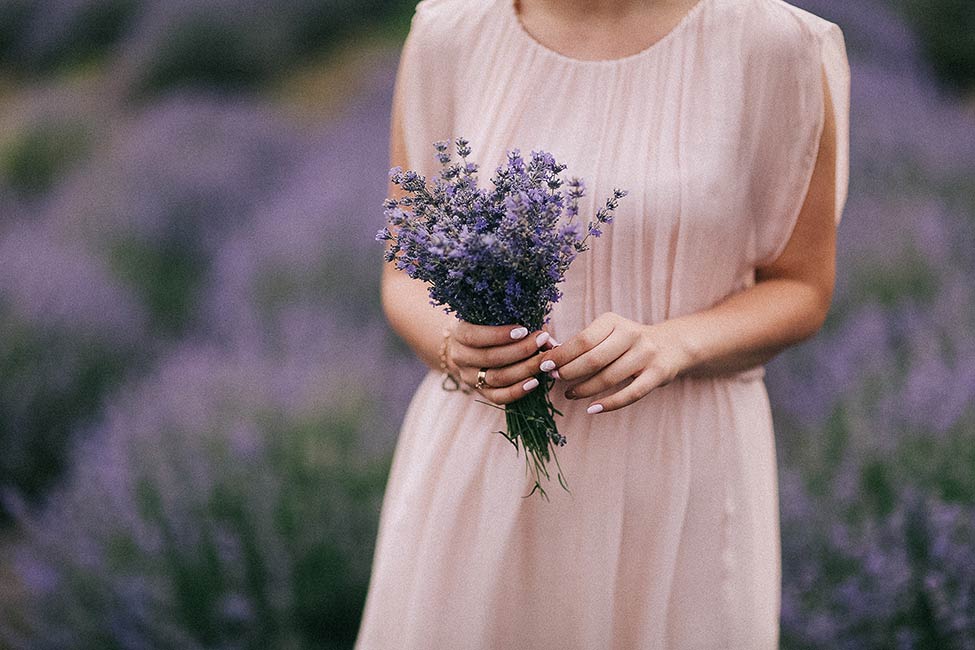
column 555, row 343
column 541, row 338
column 519, row 332
column 595, row 408
column 555, row 374
column 531, row 383
column 547, row 365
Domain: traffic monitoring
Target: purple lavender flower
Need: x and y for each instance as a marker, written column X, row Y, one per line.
column 491, row 257
column 495, row 257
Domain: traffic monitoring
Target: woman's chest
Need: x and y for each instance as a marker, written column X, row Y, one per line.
column 643, row 129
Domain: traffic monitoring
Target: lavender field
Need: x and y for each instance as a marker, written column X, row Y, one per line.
column 193, row 439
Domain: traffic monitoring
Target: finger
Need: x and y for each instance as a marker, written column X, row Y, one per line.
column 499, row 394
column 637, row 389
column 582, row 342
column 468, row 375
column 551, row 343
column 510, row 393
column 624, row 367
column 501, row 355
column 516, row 373
column 482, row 336
column 593, row 361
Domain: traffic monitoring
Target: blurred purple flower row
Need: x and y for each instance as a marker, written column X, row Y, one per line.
column 876, row 415
column 225, row 493
column 901, row 580
column 104, row 269
column 152, row 45
column 69, row 332
column 227, row 499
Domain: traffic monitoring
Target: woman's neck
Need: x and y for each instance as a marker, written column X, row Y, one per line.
column 600, row 29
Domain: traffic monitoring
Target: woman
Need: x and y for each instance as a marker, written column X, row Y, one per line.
column 727, row 122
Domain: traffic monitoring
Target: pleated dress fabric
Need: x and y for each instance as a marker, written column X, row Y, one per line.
column 670, row 536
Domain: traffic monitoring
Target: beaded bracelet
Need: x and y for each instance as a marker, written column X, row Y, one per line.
column 449, row 383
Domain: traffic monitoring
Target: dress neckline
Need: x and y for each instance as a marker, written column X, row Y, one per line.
column 514, row 19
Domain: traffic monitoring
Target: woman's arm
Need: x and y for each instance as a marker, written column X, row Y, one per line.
column 406, row 301
column 787, row 304
column 791, row 296
column 507, row 350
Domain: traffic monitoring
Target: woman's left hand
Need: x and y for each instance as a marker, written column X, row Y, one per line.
column 612, row 350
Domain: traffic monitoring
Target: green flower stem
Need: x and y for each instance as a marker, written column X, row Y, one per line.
column 531, row 425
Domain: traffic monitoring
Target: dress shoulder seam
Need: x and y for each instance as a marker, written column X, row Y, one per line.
column 805, row 18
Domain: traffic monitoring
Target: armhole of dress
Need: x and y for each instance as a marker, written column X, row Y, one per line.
column 426, row 76
column 837, row 70
column 833, row 74
column 783, row 230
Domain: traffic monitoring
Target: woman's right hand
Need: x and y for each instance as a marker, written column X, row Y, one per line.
column 506, row 351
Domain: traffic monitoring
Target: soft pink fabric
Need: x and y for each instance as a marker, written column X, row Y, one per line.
column 670, row 538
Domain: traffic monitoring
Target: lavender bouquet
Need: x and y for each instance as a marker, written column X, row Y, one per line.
column 495, row 258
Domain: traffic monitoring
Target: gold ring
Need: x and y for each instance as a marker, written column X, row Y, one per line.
column 481, row 379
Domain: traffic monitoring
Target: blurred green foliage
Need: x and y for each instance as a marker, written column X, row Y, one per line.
column 946, row 29
column 165, row 274
column 85, row 31
column 40, row 154
column 36, row 431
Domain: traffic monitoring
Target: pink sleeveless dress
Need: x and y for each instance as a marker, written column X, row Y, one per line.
column 670, row 536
